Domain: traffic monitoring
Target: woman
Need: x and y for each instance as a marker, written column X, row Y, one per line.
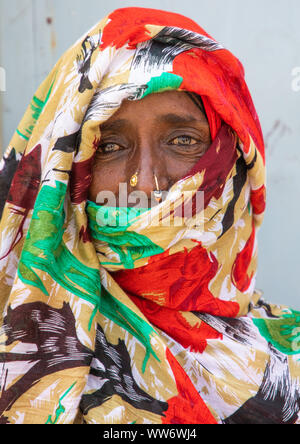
column 135, row 186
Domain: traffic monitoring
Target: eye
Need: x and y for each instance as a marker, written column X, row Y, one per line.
column 184, row 140
column 108, row 148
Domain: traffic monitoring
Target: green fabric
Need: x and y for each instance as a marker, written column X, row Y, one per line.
column 37, row 105
column 283, row 333
column 166, row 81
column 45, row 250
column 129, row 245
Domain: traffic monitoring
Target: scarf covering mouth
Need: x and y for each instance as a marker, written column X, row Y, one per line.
column 139, row 322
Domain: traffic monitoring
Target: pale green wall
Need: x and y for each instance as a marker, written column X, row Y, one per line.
column 264, row 34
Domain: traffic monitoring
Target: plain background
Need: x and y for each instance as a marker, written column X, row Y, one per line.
column 263, row 34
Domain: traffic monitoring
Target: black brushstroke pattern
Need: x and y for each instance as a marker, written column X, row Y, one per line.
column 261, row 304
column 67, row 144
column 166, row 45
column 111, row 97
column 251, row 164
column 68, row 172
column 234, row 328
column 6, row 176
column 51, row 332
column 276, row 402
column 174, row 36
column 239, row 181
column 89, row 45
column 112, row 368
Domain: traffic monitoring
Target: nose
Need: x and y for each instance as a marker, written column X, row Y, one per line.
column 145, row 179
column 150, row 171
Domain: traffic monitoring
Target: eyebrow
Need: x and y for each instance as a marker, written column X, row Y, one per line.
column 114, row 126
column 176, row 118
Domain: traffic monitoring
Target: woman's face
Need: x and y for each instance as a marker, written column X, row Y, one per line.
column 163, row 134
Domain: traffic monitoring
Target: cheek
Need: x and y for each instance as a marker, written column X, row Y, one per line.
column 106, row 178
column 179, row 166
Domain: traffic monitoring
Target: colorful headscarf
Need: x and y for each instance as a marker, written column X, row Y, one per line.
column 139, row 322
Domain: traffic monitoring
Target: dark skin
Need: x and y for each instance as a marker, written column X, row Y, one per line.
column 163, row 134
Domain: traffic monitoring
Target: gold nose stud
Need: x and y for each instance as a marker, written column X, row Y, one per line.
column 134, row 180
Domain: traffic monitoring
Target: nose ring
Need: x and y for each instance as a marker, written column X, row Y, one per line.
column 157, row 193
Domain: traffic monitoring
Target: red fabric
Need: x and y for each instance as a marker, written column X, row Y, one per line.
column 128, row 25
column 81, row 176
column 218, row 77
column 176, row 326
column 24, row 190
column 169, row 284
column 239, row 275
column 80, row 180
column 187, row 407
column 179, row 281
column 217, row 163
column 26, row 181
column 258, row 200
column 213, row 118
